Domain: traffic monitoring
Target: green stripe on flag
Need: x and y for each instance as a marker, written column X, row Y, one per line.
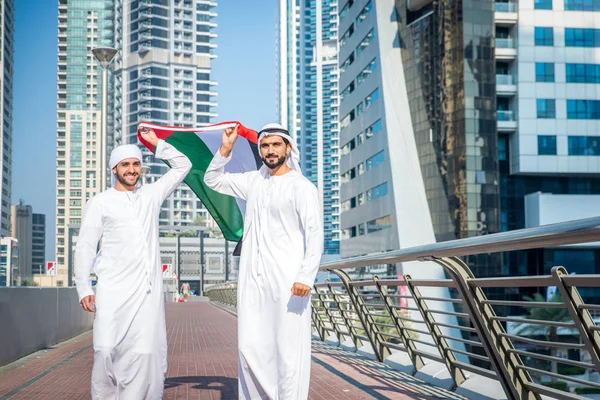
column 223, row 208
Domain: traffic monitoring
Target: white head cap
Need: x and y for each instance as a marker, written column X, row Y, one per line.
column 293, row 160
column 121, row 153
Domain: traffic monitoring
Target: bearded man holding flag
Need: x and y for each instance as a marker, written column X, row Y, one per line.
column 280, row 257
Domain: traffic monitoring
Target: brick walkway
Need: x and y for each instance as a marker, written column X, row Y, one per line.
column 203, row 365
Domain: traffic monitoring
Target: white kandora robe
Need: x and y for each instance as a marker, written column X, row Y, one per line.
column 282, row 244
column 130, row 341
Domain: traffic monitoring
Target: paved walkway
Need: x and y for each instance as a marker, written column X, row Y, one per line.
column 203, row 365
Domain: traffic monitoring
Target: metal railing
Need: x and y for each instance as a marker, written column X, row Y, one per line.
column 506, row 7
column 504, row 79
column 550, row 348
column 505, row 43
column 506, row 115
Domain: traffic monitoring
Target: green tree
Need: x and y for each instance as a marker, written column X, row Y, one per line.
column 551, row 314
column 27, row 282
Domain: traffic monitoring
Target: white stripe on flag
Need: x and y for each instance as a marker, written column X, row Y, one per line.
column 242, row 158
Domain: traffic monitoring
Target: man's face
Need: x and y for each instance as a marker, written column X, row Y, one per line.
column 273, row 151
column 127, row 172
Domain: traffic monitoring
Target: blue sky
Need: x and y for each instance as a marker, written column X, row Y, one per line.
column 244, row 69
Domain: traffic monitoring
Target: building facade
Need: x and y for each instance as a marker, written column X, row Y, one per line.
column 9, row 262
column 307, row 97
column 38, row 244
column 162, row 75
column 21, row 226
column 548, row 97
column 7, row 32
column 82, row 26
column 418, row 126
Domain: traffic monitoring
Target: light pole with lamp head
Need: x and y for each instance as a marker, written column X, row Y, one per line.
column 104, row 56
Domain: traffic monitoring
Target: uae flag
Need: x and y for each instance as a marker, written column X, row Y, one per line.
column 199, row 145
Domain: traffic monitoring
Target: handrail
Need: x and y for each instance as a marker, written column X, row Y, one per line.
column 579, row 231
column 472, row 337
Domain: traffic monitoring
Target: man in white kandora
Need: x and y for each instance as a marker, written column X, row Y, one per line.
column 130, row 341
column 281, row 252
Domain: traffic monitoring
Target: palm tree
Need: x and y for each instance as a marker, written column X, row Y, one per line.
column 551, row 314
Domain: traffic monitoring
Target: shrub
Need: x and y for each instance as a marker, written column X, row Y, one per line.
column 587, row 390
column 560, row 385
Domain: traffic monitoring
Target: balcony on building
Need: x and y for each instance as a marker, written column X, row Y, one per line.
column 505, row 85
column 507, row 121
column 506, row 48
column 505, row 13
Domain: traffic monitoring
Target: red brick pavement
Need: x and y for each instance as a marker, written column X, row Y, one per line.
column 203, row 365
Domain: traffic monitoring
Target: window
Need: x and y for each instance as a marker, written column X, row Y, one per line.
column 582, row 37
column 347, row 119
column 544, row 36
column 547, row 145
column 583, row 73
column 375, row 160
column 542, row 4
column 345, row 9
column 546, row 108
column 363, row 14
column 502, row 144
column 347, row 35
column 377, row 191
column 583, row 109
column 359, row 109
column 582, row 5
column 348, row 147
column 364, row 74
column 362, row 230
column 366, row 42
column 348, row 204
column 584, row 145
column 373, row 129
column 349, row 233
column 348, row 175
column 349, row 89
column 379, row 224
column 347, row 63
column 370, row 99
column 544, row 72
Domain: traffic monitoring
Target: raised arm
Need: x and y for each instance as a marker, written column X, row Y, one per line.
column 85, row 252
column 223, row 182
column 180, row 166
column 309, row 211
column 179, row 163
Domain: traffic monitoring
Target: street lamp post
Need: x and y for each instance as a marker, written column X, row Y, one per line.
column 104, row 56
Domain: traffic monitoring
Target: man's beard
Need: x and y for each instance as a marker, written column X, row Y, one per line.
column 123, row 182
column 274, row 164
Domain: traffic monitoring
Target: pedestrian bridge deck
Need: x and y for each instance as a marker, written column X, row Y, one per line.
column 203, row 365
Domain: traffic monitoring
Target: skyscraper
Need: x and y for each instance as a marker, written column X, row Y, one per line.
column 162, row 75
column 307, row 97
column 548, row 100
column 9, row 262
column 7, row 32
column 38, row 246
column 21, row 226
column 418, row 128
column 82, row 26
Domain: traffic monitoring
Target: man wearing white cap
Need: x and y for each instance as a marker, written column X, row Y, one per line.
column 130, row 342
column 283, row 243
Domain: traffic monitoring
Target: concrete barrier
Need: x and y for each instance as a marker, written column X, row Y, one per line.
column 34, row 318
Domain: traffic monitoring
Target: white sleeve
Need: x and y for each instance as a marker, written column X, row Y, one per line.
column 86, row 249
column 180, row 166
column 224, row 182
column 309, row 209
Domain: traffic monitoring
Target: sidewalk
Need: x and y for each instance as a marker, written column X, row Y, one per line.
column 203, row 365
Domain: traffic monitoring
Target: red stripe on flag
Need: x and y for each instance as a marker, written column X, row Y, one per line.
column 164, row 131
